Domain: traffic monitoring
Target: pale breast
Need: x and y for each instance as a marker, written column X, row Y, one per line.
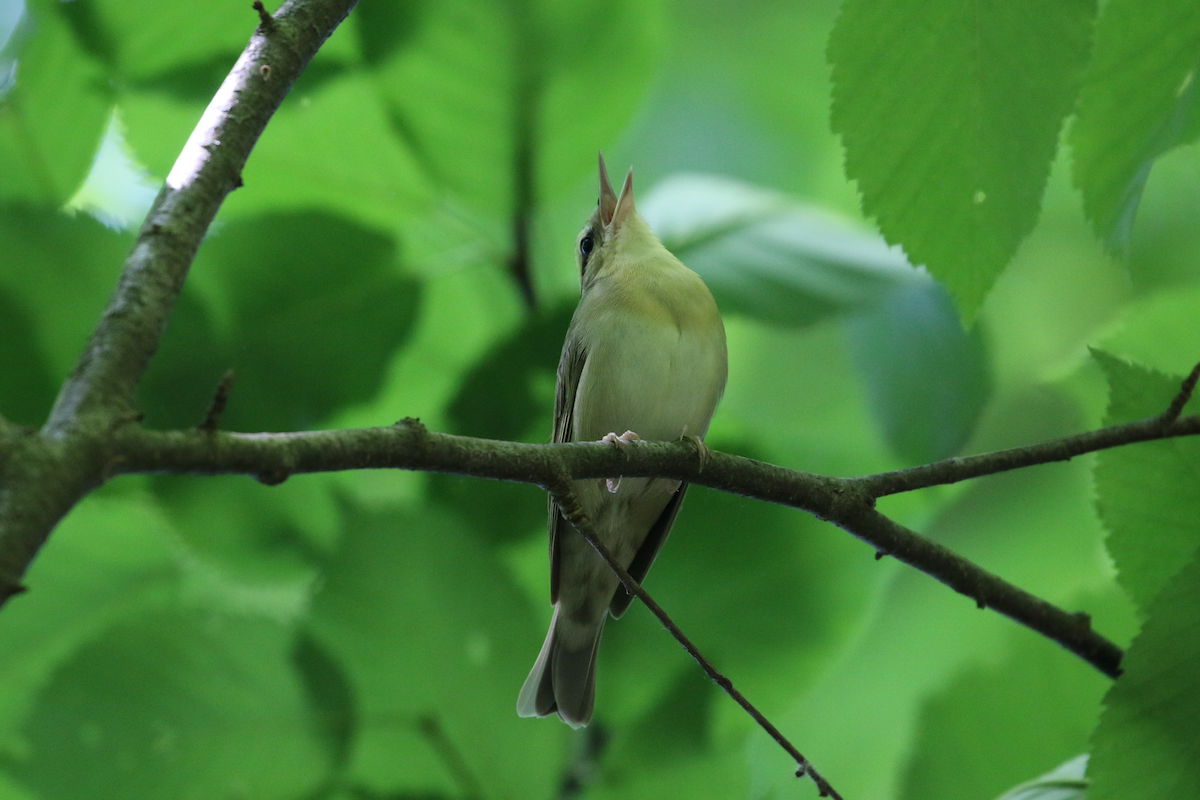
column 650, row 371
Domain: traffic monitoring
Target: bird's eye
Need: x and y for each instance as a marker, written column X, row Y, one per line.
column 586, row 244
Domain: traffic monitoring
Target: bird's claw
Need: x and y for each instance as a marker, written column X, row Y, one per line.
column 702, row 450
column 620, row 442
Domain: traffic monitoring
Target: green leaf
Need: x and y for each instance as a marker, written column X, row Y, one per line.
column 1159, row 331
column 499, row 398
column 1147, row 494
column 384, row 27
column 1147, row 743
column 917, row 636
column 927, row 379
column 768, row 256
column 329, row 147
column 419, row 612
column 314, row 301
column 112, row 557
column 1138, row 101
column 52, row 119
column 503, row 105
column 263, row 535
column 62, row 271
column 1037, row 706
column 949, row 112
column 191, row 358
column 176, row 704
column 329, row 694
column 27, row 389
column 508, row 394
column 138, row 31
column 1065, row 782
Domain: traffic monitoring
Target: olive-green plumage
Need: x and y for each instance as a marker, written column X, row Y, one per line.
column 645, row 353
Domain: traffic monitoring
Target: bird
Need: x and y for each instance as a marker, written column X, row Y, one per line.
column 645, row 354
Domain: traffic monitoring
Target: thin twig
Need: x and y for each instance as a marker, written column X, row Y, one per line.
column 524, row 199
column 451, row 757
column 264, row 16
column 1180, row 400
column 564, row 495
column 217, row 407
column 954, row 470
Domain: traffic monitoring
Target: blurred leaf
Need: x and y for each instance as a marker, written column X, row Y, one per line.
column 90, row 32
column 330, row 696
column 1066, row 782
column 927, row 379
column 157, row 126
column 1164, row 245
column 27, row 389
column 917, row 636
column 498, row 398
column 1159, row 330
column 198, row 81
column 139, row 29
column 504, row 104
column 263, row 535
column 385, row 26
column 678, row 726
column 715, row 578
column 950, row 112
column 1034, row 706
column 1138, row 100
column 191, row 358
column 61, row 269
column 176, row 704
column 193, row 81
column 1147, row 743
column 1147, row 494
column 770, row 257
column 508, row 394
column 318, row 309
column 110, row 558
column 330, row 146
column 417, row 610
column 52, row 119
column 719, row 772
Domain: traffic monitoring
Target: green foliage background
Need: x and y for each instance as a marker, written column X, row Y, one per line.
column 364, row 635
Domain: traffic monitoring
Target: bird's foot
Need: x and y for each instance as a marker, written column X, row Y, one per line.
column 621, row 442
column 702, row 450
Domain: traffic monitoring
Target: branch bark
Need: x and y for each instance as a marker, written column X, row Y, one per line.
column 43, row 474
column 272, row 457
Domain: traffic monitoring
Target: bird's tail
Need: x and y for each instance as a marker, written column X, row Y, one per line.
column 563, row 678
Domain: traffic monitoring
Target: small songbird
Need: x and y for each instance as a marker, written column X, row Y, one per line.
column 644, row 354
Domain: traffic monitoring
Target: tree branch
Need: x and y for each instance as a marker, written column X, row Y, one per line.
column 272, row 457
column 953, row 470
column 564, row 495
column 46, row 473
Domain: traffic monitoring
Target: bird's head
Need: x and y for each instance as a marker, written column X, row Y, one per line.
column 614, row 226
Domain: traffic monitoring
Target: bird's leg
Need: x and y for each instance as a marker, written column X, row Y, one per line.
column 620, row 442
column 702, row 450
